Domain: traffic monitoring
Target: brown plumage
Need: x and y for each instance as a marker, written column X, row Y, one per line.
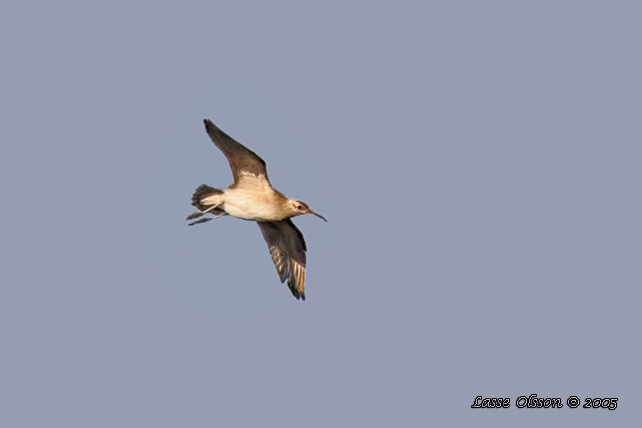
column 252, row 197
column 287, row 248
column 241, row 159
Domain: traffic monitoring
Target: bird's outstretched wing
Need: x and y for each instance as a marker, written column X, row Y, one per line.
column 287, row 248
column 243, row 161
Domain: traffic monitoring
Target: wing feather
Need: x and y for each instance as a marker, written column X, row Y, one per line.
column 287, row 248
column 243, row 161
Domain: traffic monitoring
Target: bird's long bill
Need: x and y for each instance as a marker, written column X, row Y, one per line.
column 318, row 215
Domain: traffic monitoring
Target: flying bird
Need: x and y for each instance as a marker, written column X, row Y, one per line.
column 252, row 197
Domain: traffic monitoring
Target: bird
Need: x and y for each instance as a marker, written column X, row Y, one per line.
column 251, row 197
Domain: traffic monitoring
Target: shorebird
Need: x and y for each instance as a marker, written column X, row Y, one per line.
column 252, row 197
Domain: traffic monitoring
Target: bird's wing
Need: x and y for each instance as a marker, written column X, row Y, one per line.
column 243, row 161
column 287, row 248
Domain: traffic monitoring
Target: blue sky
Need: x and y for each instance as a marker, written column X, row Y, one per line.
column 478, row 163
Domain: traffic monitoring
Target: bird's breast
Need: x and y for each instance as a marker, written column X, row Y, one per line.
column 256, row 204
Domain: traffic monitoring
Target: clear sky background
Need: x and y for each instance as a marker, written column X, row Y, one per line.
column 478, row 162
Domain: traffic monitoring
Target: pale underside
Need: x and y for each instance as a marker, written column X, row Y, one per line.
column 251, row 199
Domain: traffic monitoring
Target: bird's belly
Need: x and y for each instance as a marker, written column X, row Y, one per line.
column 253, row 206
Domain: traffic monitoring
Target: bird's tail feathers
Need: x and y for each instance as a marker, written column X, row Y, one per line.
column 203, row 191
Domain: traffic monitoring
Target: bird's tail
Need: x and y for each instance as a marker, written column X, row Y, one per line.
column 199, row 200
column 203, row 191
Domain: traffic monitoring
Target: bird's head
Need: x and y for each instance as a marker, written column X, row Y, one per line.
column 298, row 208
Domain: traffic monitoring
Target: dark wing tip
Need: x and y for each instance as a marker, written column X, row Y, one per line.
column 213, row 129
column 299, row 294
column 209, row 125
